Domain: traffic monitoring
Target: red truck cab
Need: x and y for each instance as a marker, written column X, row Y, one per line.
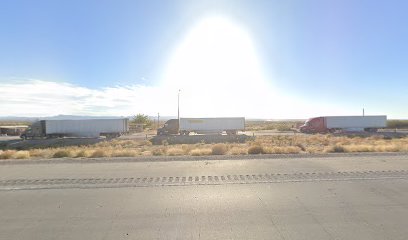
column 314, row 125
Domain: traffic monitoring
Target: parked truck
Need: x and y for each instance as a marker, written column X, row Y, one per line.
column 186, row 126
column 77, row 128
column 345, row 123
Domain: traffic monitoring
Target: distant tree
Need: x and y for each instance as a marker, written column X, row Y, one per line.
column 142, row 119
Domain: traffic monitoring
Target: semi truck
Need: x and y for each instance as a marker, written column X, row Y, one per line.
column 185, row 126
column 345, row 123
column 77, row 128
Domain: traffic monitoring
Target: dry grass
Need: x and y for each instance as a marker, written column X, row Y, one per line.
column 238, row 150
column 175, row 151
column 159, row 151
column 7, row 154
column 22, row 155
column 367, row 148
column 62, row 153
column 125, row 153
column 83, row 154
column 36, row 153
column 256, row 149
column 335, row 149
column 12, row 154
column 282, row 150
column 401, row 124
column 14, row 123
column 98, row 153
column 293, row 144
column 271, row 125
column 219, row 149
column 201, row 151
column 147, row 153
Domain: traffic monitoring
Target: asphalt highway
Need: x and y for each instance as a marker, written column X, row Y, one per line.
column 342, row 197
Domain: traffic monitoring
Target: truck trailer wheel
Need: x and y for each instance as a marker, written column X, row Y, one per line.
column 370, row 129
column 185, row 133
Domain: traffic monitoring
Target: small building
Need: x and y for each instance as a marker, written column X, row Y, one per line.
column 12, row 130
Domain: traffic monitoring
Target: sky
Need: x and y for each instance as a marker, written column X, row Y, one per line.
column 258, row 59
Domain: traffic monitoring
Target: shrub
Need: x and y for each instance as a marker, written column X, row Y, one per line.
column 175, row 152
column 284, row 128
column 40, row 153
column 187, row 148
column 255, row 149
column 238, row 151
column 280, row 150
column 99, row 153
column 82, row 153
column 22, row 154
column 314, row 149
column 336, row 149
column 7, row 154
column 62, row 153
column 146, row 143
column 219, row 149
column 397, row 123
column 147, row 153
column 124, row 153
column 201, row 151
column 359, row 148
column 142, row 119
column 389, row 148
column 159, row 152
column 299, row 145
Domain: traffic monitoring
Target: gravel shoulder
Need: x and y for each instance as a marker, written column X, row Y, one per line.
column 196, row 158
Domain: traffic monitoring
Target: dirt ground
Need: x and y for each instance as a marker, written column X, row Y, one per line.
column 14, row 142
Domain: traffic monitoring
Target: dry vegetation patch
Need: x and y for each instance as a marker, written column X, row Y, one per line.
column 256, row 149
column 175, row 151
column 291, row 144
column 201, row 151
column 7, row 154
column 159, row 151
column 22, row 154
column 98, row 153
column 83, row 153
column 219, row 149
column 282, row 150
column 124, row 153
column 271, row 125
column 238, row 150
column 62, row 153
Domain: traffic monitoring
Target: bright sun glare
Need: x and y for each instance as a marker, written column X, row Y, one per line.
column 217, row 68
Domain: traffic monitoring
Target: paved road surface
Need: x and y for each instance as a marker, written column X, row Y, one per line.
column 300, row 198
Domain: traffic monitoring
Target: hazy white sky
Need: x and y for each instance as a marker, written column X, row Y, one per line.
column 258, row 59
column 216, row 67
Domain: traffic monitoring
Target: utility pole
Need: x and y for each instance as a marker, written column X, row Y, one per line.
column 158, row 120
column 178, row 105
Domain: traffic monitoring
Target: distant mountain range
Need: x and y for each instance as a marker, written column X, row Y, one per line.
column 71, row 117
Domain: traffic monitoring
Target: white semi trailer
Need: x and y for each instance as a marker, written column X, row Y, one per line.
column 77, row 128
column 352, row 123
column 230, row 125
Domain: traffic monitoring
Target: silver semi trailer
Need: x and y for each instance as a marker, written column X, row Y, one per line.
column 77, row 128
column 186, row 126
